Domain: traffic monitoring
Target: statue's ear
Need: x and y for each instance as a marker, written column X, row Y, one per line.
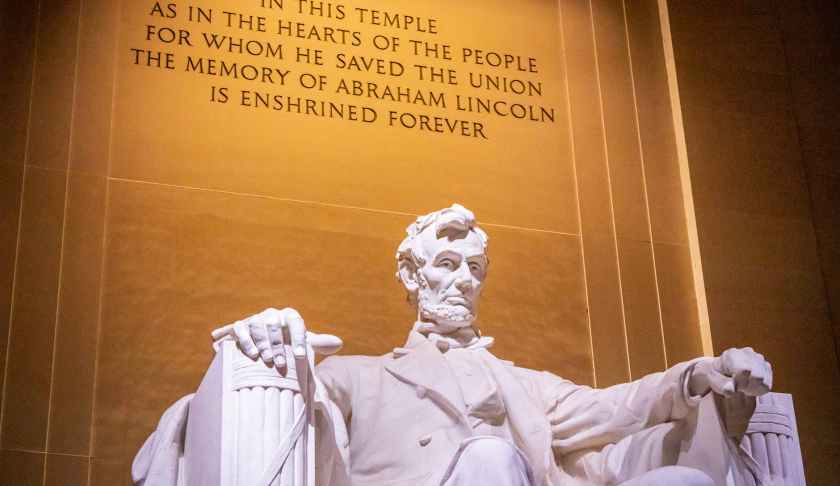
column 407, row 273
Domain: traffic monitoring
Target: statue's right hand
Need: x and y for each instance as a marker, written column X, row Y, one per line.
column 264, row 335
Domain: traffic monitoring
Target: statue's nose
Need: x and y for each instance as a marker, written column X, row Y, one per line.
column 463, row 281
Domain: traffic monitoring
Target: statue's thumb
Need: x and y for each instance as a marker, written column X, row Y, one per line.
column 324, row 344
column 721, row 383
column 221, row 332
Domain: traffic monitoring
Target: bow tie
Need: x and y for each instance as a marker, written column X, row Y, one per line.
column 446, row 342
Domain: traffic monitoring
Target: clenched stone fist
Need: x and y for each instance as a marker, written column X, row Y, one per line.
column 737, row 370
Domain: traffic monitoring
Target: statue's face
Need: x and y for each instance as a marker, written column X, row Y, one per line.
column 452, row 277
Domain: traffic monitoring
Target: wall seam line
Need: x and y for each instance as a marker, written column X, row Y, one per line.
column 58, row 294
column 44, row 453
column 610, row 188
column 326, row 204
column 59, row 286
column 644, row 180
column 577, row 192
column 20, row 219
column 104, row 257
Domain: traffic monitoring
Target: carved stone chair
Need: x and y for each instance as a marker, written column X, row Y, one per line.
column 248, row 425
column 769, row 442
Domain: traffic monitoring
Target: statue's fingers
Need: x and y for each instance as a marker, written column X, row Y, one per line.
column 271, row 316
column 761, row 379
column 757, row 369
column 243, row 337
column 275, row 334
column 425, row 327
column 725, row 363
column 297, row 332
column 260, row 335
column 275, row 338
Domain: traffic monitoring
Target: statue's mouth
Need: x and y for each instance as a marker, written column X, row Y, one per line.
column 455, row 300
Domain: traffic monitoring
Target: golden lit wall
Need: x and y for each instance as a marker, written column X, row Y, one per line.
column 758, row 88
column 140, row 211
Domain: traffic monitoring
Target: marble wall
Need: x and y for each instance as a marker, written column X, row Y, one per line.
column 137, row 217
column 758, row 85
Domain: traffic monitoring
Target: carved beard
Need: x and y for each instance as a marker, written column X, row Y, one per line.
column 440, row 317
column 447, row 318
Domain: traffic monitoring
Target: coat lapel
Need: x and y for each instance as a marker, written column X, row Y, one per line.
column 423, row 366
column 527, row 421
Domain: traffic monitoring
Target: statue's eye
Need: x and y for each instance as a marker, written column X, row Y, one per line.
column 447, row 264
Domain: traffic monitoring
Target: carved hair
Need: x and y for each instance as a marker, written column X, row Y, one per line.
column 454, row 221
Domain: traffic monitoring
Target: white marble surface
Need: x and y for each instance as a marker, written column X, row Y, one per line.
column 413, row 416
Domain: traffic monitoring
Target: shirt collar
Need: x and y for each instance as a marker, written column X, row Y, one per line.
column 415, row 339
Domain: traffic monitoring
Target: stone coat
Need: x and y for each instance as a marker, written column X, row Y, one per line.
column 398, row 420
column 406, row 417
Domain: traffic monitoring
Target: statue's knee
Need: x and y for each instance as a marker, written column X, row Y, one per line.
column 491, row 452
column 685, row 476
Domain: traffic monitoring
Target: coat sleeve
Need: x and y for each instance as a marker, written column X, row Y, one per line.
column 585, row 418
column 333, row 407
column 335, row 376
column 159, row 461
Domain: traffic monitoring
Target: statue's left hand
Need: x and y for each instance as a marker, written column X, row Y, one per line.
column 737, row 370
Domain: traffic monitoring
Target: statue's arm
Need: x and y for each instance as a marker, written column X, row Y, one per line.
column 335, row 382
column 582, row 417
column 333, row 405
column 157, row 462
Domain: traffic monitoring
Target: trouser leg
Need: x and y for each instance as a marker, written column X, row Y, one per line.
column 672, row 475
column 488, row 461
column 698, row 443
column 652, row 448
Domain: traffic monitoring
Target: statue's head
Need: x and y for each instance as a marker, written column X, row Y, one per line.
column 442, row 263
